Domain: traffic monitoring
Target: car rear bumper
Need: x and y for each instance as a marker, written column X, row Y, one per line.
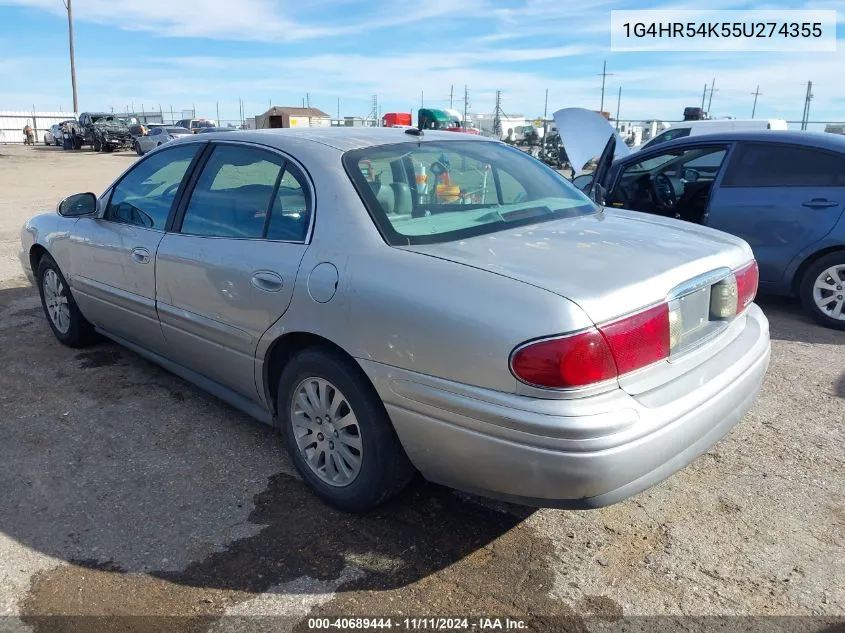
column 577, row 453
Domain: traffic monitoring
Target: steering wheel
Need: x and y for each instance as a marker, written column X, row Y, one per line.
column 664, row 192
column 172, row 188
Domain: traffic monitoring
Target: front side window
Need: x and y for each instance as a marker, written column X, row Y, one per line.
column 431, row 192
column 233, row 194
column 145, row 195
column 774, row 165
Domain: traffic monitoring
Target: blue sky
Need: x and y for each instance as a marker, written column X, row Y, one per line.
column 200, row 54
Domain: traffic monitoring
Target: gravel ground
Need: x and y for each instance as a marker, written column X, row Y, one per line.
column 125, row 491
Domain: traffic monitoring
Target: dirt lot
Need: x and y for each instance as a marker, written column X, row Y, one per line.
column 125, row 491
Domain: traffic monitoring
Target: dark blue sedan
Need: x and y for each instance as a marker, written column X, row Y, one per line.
column 781, row 191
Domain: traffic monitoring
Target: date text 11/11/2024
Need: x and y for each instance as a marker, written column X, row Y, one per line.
column 417, row 624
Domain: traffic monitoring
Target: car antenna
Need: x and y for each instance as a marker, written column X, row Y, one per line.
column 414, row 131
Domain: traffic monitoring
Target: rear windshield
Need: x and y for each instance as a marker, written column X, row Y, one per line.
column 202, row 124
column 178, row 130
column 440, row 191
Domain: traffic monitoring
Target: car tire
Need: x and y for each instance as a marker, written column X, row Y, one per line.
column 828, row 273
column 46, row 142
column 96, row 145
column 63, row 315
column 382, row 468
column 138, row 149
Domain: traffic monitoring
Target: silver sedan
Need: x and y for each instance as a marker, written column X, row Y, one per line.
column 397, row 300
column 158, row 136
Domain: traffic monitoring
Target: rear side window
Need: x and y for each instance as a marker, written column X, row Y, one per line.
column 291, row 212
column 232, row 195
column 144, row 196
column 772, row 165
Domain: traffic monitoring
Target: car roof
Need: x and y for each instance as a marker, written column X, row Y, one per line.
column 346, row 138
column 821, row 140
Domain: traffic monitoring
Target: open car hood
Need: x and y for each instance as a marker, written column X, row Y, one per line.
column 584, row 135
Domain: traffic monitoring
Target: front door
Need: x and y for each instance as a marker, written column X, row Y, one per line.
column 781, row 199
column 113, row 257
column 228, row 274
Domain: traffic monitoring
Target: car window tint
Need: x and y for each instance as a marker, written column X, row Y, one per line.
column 708, row 162
column 291, row 215
column 233, row 193
column 146, row 194
column 772, row 165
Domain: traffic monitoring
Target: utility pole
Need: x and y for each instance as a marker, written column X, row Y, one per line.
column 69, row 7
column 466, row 106
column 712, row 90
column 451, row 95
column 338, row 108
column 218, row 112
column 805, row 119
column 374, row 111
column 618, row 105
column 756, row 94
column 604, row 75
column 308, row 99
column 703, row 96
column 422, row 99
column 497, row 120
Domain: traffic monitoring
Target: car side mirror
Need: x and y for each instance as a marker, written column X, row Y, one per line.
column 77, row 205
column 599, row 194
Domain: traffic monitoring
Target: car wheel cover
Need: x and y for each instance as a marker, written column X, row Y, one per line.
column 829, row 292
column 326, row 432
column 55, row 298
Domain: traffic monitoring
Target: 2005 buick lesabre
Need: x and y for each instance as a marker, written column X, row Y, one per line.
column 396, row 300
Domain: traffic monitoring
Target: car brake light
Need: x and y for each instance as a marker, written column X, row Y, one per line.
column 596, row 354
column 747, row 280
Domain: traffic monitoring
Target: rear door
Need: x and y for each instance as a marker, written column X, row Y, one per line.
column 227, row 271
column 781, row 199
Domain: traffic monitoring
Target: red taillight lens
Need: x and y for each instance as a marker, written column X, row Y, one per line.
column 597, row 354
column 569, row 361
column 640, row 339
column 747, row 280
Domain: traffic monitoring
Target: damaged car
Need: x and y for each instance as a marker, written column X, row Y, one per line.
column 103, row 132
column 783, row 192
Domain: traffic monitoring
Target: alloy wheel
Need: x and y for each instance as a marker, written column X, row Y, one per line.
column 829, row 292
column 326, row 431
column 55, row 298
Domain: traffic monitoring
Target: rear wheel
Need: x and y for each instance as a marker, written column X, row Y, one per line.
column 63, row 315
column 138, row 149
column 823, row 290
column 337, row 431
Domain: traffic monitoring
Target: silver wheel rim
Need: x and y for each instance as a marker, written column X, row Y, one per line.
column 829, row 292
column 326, row 431
column 55, row 298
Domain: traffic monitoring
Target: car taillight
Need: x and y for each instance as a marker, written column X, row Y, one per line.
column 596, row 354
column 747, row 280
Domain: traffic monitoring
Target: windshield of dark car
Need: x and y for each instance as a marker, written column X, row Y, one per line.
column 202, row 124
column 439, row 191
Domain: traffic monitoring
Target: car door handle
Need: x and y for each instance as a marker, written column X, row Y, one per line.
column 820, row 203
column 141, row 255
column 267, row 281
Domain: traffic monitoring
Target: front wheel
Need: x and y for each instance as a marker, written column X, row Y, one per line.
column 138, row 149
column 823, row 290
column 338, row 433
column 63, row 315
column 96, row 145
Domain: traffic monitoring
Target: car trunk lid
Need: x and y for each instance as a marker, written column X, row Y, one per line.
column 611, row 264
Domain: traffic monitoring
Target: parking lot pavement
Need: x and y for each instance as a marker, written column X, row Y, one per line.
column 126, row 491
